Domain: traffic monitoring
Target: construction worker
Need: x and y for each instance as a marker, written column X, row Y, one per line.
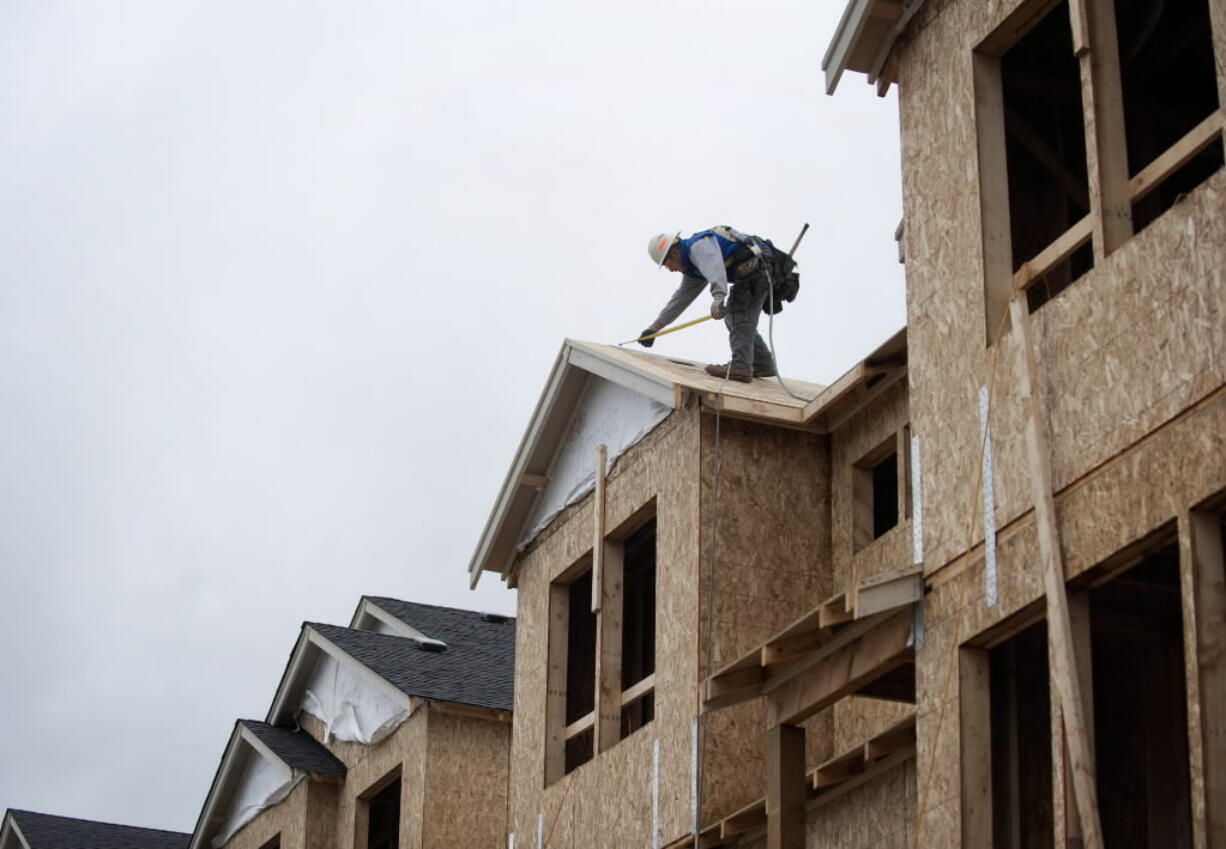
column 719, row 257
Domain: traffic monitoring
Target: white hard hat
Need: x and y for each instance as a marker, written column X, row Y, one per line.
column 658, row 247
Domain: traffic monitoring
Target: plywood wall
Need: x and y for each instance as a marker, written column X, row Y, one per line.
column 772, row 534
column 466, row 782
column 288, row 819
column 608, row 801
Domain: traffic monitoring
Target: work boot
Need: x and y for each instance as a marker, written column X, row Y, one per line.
column 767, row 370
column 743, row 375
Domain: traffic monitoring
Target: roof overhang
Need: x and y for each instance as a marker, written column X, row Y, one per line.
column 864, row 39
column 10, row 834
column 216, row 803
column 664, row 380
column 370, row 615
column 311, row 644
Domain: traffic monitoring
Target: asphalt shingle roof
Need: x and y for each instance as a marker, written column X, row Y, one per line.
column 477, row 667
column 44, row 831
column 297, row 749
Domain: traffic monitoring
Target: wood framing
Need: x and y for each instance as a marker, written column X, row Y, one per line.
column 785, row 789
column 598, row 529
column 609, row 647
column 555, row 702
column 1203, row 532
column 1063, row 656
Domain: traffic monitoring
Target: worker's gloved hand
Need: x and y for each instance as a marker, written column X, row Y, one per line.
column 718, row 310
column 647, row 343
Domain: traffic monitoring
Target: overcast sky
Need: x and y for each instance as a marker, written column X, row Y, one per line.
column 280, row 284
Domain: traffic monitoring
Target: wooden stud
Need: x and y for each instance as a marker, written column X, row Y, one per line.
column 598, row 520
column 993, row 190
column 1079, row 620
column 1110, row 196
column 1081, row 26
column 785, row 788
column 555, row 696
column 974, row 684
column 1061, row 648
column 609, row 647
column 870, row 655
column 1208, row 567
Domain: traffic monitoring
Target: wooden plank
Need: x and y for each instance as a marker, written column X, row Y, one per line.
column 745, row 820
column 731, row 688
column 609, row 647
column 1176, row 156
column 781, row 649
column 1080, row 23
column 1102, row 91
column 835, row 610
column 598, row 529
column 993, row 190
column 975, row 750
column 888, row 592
column 636, row 691
column 839, row 770
column 1061, row 647
column 1079, row 620
column 580, row 725
column 555, row 686
column 1054, row 254
column 897, row 737
column 1208, row 567
column 870, row 655
column 785, row 787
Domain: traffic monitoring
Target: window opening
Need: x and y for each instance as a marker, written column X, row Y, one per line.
column 1045, row 149
column 580, row 667
column 383, row 818
column 1140, row 707
column 1170, row 86
column 274, row 843
column 875, row 493
column 1021, row 767
column 638, row 624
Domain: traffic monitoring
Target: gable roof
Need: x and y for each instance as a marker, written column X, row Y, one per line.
column 668, row 381
column 296, row 749
column 45, row 831
column 467, row 671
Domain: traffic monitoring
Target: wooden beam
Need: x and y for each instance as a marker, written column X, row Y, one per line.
column 1208, row 566
column 1054, row 254
column 897, row 737
column 730, row 688
column 636, row 691
column 888, row 592
column 555, row 687
column 872, row 654
column 1061, row 646
column 580, row 725
column 785, row 787
column 609, row 646
column 1176, row 156
column 835, row 610
column 598, row 530
column 1102, row 88
column 975, row 749
column 1079, row 620
column 993, row 190
column 748, row 818
column 782, row 649
column 839, row 770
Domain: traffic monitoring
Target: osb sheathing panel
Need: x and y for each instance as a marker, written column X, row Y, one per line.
column 288, row 818
column 1143, row 490
column 404, row 748
column 880, row 420
column 1119, row 352
column 607, row 801
column 772, row 554
column 877, row 815
column 466, row 782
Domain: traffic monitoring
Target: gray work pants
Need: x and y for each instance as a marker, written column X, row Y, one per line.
column 749, row 350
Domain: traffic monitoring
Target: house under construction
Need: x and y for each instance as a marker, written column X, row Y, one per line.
column 971, row 594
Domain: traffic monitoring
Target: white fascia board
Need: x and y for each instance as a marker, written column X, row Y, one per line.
column 510, row 484
column 368, row 610
column 10, row 834
column 851, row 25
column 206, row 824
column 341, row 656
column 303, row 653
column 657, row 389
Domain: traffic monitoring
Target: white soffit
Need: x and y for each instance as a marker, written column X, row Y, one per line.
column 863, row 38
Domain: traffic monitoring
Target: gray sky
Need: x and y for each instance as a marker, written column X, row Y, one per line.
column 280, row 284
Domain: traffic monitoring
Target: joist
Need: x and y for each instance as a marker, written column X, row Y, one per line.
column 872, row 654
column 888, row 592
column 1062, row 652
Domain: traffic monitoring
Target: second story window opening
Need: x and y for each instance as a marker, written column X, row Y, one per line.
column 875, row 493
column 580, row 668
column 638, row 625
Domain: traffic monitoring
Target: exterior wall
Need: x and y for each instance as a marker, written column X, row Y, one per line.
column 304, row 819
column 466, row 789
column 405, row 747
column 1131, row 366
column 772, row 551
column 608, row 800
